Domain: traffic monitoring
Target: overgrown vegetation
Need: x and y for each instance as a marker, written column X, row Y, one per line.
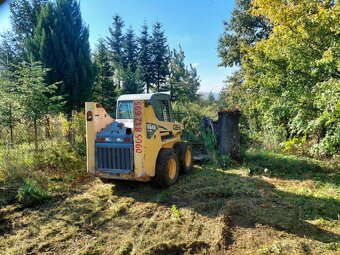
column 27, row 174
column 288, row 81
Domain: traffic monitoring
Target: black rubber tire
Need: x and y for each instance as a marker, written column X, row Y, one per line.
column 162, row 177
column 181, row 149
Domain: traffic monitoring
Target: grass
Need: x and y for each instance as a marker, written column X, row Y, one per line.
column 28, row 176
column 292, row 207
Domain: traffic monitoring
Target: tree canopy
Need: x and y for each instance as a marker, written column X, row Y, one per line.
column 291, row 77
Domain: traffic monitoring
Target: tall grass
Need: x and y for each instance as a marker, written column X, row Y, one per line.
column 27, row 175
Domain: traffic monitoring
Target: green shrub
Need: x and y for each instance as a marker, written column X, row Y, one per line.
column 31, row 193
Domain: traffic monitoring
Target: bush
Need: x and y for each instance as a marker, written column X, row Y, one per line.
column 31, row 193
column 191, row 116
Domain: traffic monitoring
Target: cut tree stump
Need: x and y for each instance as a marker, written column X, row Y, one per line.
column 228, row 136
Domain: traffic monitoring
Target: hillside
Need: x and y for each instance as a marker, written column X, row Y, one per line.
column 289, row 208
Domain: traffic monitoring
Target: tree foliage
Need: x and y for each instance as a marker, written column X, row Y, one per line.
column 291, row 78
column 9, row 106
column 60, row 42
column 160, row 58
column 36, row 98
column 116, row 41
column 242, row 29
column 145, row 57
column 104, row 90
column 183, row 80
column 26, row 95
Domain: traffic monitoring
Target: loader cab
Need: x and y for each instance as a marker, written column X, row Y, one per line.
column 160, row 103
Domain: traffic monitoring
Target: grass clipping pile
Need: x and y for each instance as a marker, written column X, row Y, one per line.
column 209, row 211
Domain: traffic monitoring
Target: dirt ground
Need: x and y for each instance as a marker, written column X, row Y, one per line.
column 209, row 211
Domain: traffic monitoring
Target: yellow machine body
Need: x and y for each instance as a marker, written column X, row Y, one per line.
column 151, row 130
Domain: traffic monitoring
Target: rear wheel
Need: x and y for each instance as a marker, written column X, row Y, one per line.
column 166, row 168
column 184, row 154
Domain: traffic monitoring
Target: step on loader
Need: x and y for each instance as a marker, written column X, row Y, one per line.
column 143, row 143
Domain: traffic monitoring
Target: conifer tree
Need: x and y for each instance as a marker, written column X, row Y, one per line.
column 9, row 106
column 184, row 81
column 9, row 51
column 61, row 43
column 104, row 90
column 116, row 41
column 160, row 57
column 144, row 58
column 24, row 18
column 36, row 97
column 132, row 83
column 130, row 50
column 242, row 29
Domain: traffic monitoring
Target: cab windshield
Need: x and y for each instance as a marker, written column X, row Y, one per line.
column 125, row 110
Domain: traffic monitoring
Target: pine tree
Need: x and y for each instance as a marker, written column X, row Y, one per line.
column 144, row 58
column 61, row 43
column 243, row 29
column 132, row 83
column 130, row 50
column 9, row 106
column 116, row 41
column 36, row 97
column 24, row 18
column 160, row 57
column 104, row 90
column 9, row 51
column 177, row 74
column 184, row 82
column 194, row 84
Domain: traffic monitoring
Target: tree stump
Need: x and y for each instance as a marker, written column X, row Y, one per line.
column 228, row 137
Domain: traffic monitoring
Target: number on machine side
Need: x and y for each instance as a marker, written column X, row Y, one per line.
column 137, row 108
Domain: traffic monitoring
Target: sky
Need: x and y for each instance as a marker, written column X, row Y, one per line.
column 194, row 24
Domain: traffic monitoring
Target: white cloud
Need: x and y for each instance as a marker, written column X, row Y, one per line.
column 195, row 65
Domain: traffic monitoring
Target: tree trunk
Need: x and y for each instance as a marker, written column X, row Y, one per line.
column 229, row 134
column 35, row 135
column 47, row 127
column 11, row 125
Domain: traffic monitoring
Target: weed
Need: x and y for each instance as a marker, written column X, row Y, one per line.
column 176, row 212
column 225, row 161
column 162, row 197
column 31, row 193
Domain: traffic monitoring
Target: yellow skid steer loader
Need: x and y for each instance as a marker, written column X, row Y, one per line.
column 142, row 143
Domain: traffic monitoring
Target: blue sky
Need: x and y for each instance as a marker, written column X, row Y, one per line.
column 194, row 24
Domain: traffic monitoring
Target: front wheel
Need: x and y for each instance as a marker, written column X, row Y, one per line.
column 166, row 168
column 185, row 157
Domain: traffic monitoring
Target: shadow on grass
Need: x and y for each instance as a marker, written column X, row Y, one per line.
column 244, row 201
column 289, row 167
column 234, row 199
